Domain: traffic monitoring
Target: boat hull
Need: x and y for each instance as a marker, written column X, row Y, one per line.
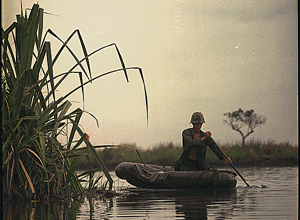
column 152, row 176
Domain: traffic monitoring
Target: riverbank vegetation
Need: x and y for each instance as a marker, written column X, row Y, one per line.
column 36, row 165
column 253, row 153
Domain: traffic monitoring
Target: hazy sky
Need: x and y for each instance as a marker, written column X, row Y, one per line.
column 206, row 55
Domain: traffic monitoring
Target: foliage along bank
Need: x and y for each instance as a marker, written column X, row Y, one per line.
column 254, row 153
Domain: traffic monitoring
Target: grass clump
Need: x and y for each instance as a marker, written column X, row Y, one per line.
column 35, row 164
column 162, row 154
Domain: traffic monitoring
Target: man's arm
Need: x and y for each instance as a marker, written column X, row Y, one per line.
column 213, row 146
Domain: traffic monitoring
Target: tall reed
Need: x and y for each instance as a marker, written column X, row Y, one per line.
column 35, row 164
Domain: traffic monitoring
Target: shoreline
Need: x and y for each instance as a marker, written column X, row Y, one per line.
column 254, row 153
column 278, row 162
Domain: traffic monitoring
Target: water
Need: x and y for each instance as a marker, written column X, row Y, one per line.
column 273, row 195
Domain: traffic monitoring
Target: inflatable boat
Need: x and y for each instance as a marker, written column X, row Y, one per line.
column 152, row 176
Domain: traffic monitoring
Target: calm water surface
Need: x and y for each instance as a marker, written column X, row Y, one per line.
column 273, row 195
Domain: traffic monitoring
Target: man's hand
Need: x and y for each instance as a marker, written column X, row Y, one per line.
column 227, row 159
column 207, row 134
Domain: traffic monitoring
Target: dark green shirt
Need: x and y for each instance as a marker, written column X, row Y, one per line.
column 189, row 143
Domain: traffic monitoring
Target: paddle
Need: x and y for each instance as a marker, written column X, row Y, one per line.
column 232, row 164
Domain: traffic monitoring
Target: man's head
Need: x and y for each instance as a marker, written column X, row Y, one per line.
column 197, row 127
column 197, row 118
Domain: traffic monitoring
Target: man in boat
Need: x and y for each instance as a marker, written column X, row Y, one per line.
column 195, row 142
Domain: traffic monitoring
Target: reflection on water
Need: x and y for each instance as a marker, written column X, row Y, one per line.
column 194, row 206
column 273, row 195
column 188, row 204
column 41, row 210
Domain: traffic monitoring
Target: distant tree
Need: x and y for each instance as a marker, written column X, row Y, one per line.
column 248, row 120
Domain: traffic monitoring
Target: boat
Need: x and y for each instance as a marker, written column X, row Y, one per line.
column 151, row 176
